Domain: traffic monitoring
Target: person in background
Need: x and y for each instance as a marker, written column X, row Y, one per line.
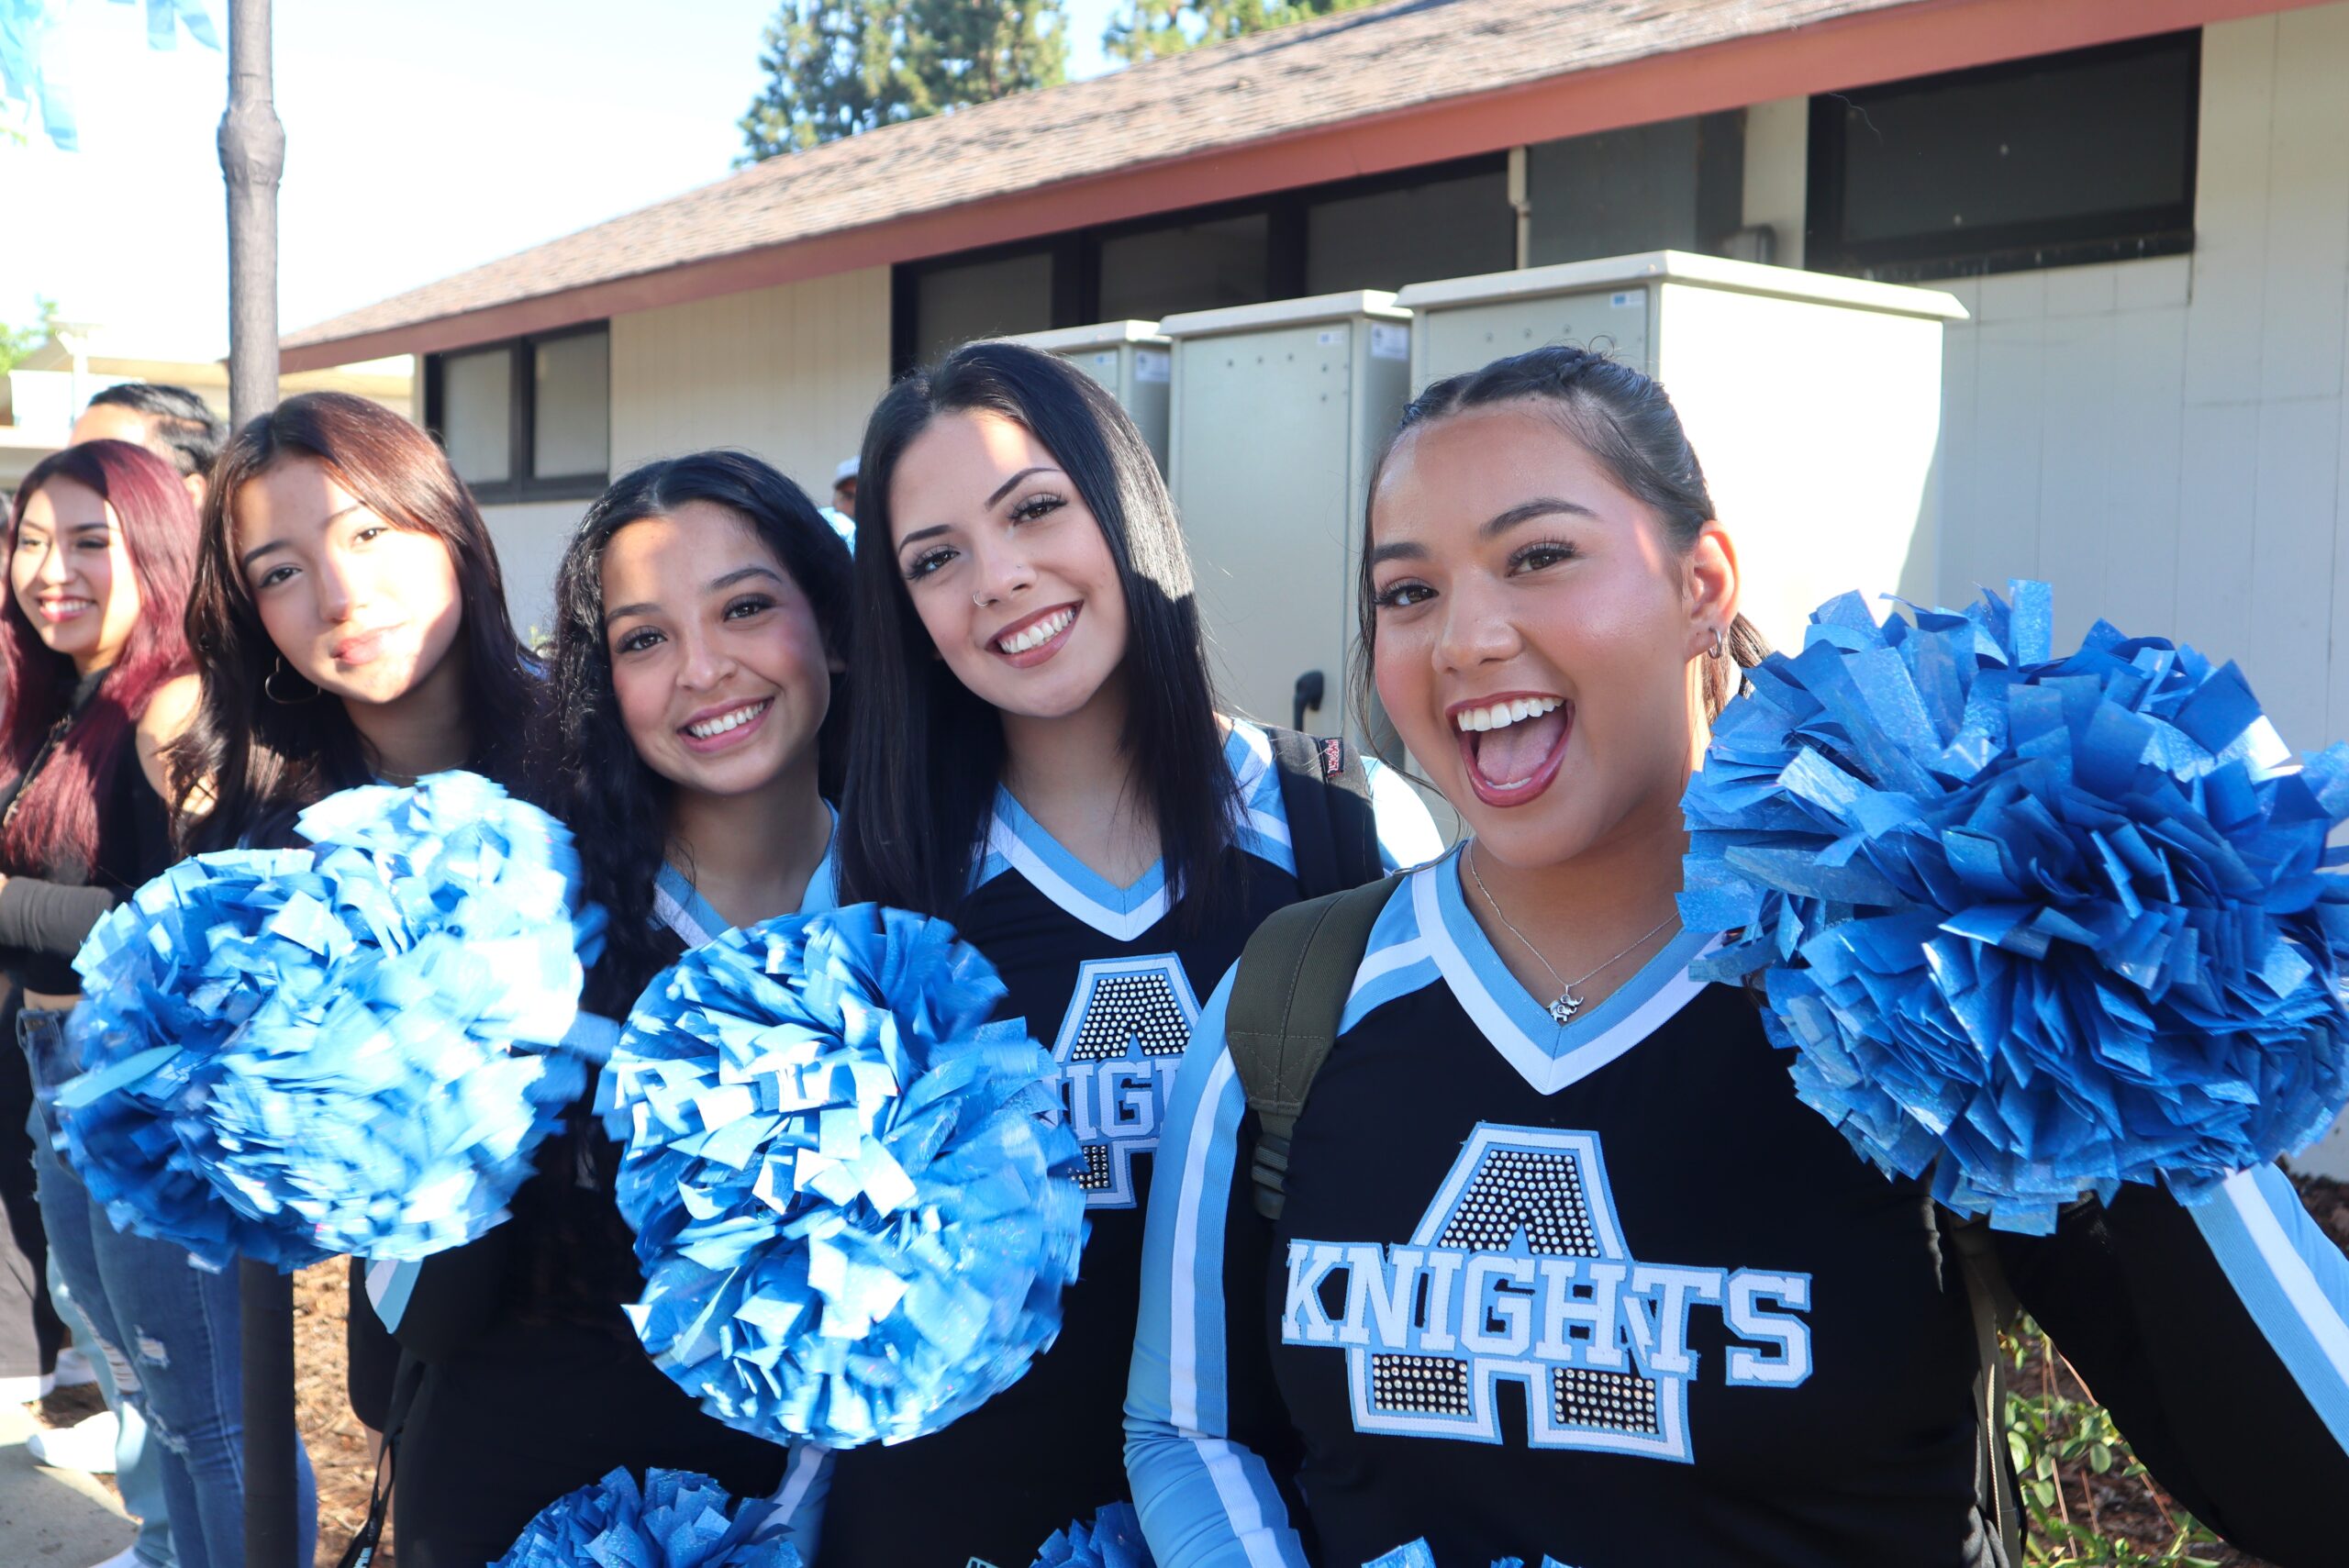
column 101, row 549
column 169, row 421
column 1037, row 757
column 702, row 619
column 841, row 513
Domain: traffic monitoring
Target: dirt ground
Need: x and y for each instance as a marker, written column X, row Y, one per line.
column 339, row 1452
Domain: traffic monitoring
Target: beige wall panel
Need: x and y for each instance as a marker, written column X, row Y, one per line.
column 2288, row 649
column 531, row 537
column 2224, row 334
column 1778, row 172
column 787, row 373
column 2306, row 288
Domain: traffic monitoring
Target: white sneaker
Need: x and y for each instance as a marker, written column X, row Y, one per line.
column 25, row 1389
column 73, row 1368
column 86, row 1445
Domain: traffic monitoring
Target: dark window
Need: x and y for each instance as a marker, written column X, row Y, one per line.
column 529, row 419
column 1378, row 232
column 2050, row 161
column 1672, row 185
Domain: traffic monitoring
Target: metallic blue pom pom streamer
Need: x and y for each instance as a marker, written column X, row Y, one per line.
column 2036, row 926
column 1112, row 1540
column 291, row 1054
column 1417, row 1555
column 855, row 1203
column 676, row 1519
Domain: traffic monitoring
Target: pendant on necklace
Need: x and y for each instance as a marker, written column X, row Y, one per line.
column 1564, row 1009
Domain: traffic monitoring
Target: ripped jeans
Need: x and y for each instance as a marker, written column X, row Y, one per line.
column 170, row 1326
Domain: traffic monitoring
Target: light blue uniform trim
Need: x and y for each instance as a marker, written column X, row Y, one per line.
column 1205, row 1501
column 2292, row 1280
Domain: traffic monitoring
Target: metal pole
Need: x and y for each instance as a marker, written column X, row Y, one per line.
column 252, row 155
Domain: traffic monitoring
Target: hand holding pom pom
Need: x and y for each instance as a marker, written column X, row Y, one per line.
column 678, row 1519
column 1112, row 1541
column 2036, row 925
column 291, row 1054
column 854, row 1200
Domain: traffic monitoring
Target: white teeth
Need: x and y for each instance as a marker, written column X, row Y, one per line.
column 741, row 716
column 1036, row 636
column 1501, row 715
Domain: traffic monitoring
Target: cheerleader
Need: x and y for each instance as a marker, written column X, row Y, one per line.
column 101, row 551
column 701, row 619
column 352, row 621
column 1560, row 1264
column 1038, row 757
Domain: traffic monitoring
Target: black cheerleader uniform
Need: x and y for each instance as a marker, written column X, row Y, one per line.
column 1608, row 1290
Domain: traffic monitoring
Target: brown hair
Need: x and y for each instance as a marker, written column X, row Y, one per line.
column 258, row 758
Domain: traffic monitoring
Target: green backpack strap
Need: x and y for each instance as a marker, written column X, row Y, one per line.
column 1293, row 978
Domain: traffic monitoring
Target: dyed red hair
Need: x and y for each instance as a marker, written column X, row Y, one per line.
column 56, row 820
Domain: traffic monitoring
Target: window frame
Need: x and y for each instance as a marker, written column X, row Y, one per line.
column 522, row 483
column 2163, row 230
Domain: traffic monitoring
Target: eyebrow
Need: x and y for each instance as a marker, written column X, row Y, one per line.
column 1524, row 512
column 1001, row 490
column 246, row 560
column 740, row 574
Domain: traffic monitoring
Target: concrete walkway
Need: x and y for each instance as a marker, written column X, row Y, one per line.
column 52, row 1518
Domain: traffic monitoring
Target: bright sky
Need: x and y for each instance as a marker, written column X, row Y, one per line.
column 422, row 136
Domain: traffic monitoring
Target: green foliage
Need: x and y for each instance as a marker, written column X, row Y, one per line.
column 1144, row 29
column 2054, row 1440
column 15, row 342
column 837, row 69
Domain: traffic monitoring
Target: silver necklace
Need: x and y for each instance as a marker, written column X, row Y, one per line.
column 1567, row 1005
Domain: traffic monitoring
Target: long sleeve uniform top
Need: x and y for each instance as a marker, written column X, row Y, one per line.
column 1109, row 978
column 1608, row 1290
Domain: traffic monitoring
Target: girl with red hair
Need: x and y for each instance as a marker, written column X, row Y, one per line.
column 101, row 551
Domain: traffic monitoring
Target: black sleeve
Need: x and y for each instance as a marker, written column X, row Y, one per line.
column 50, row 917
column 455, row 1297
column 2215, row 1336
column 372, row 1359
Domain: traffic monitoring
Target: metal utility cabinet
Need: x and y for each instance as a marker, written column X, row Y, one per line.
column 1814, row 402
column 1130, row 359
column 1279, row 411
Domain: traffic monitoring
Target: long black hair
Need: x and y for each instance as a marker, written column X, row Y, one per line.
column 1622, row 418
column 248, row 758
column 927, row 754
column 617, row 806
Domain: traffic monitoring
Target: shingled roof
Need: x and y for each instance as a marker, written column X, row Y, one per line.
column 1312, row 75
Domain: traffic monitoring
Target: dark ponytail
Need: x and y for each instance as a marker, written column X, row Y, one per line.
column 1626, row 421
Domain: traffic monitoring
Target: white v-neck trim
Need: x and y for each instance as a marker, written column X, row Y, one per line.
column 1547, row 1072
column 1118, row 925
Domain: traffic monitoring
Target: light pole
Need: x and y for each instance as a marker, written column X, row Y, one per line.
column 252, row 156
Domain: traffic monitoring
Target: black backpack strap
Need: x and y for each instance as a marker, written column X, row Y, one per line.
column 1325, row 794
column 1286, row 998
column 1994, row 1307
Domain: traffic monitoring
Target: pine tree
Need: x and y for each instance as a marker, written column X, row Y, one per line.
column 1144, row 29
column 837, row 69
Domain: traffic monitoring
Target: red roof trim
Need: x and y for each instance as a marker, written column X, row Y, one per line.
column 1882, row 46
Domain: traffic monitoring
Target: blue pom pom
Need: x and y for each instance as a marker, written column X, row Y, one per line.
column 291, row 1054
column 677, row 1519
column 854, row 1202
column 1417, row 1555
column 2036, row 925
column 1113, row 1540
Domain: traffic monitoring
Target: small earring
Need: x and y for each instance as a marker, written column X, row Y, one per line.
column 1718, row 646
column 269, row 687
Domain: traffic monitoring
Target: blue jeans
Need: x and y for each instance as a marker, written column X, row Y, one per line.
column 170, row 1330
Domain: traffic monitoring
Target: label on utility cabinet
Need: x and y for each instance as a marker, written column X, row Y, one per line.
column 1389, row 341
column 1153, row 364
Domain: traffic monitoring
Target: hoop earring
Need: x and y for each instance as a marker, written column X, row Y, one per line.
column 1720, row 647
column 269, row 687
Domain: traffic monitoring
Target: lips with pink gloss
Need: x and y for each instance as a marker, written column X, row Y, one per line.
column 724, row 725
column 1028, row 643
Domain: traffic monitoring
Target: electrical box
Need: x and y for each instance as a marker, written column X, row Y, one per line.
column 1280, row 409
column 1814, row 402
column 1129, row 357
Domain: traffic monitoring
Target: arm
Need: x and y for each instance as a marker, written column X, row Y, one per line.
column 1206, row 1498
column 50, row 917
column 168, row 713
column 2218, row 1336
column 1407, row 834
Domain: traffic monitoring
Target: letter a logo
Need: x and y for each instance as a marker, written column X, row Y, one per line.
column 1123, row 1036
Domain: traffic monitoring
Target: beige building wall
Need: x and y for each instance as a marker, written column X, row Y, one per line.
column 788, row 373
